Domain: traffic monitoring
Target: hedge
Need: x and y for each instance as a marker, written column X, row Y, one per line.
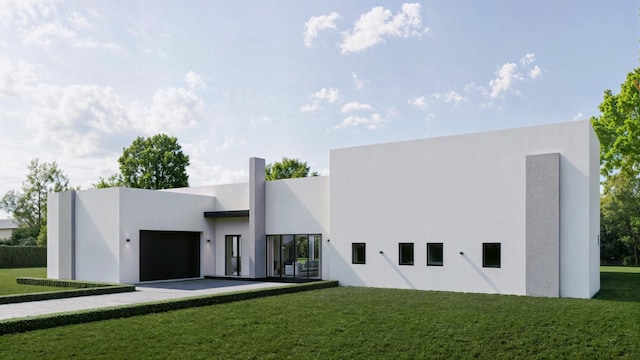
column 78, row 284
column 22, row 256
column 49, row 321
column 50, row 295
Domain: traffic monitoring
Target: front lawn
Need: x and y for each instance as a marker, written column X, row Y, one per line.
column 8, row 285
column 363, row 323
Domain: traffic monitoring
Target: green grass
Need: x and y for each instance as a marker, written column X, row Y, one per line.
column 362, row 323
column 623, row 269
column 8, row 285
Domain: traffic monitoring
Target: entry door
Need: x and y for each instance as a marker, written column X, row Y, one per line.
column 232, row 251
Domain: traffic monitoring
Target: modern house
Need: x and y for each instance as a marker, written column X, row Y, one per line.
column 7, row 226
column 508, row 212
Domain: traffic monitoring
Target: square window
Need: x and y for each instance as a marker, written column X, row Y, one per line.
column 434, row 254
column 358, row 253
column 491, row 255
column 406, row 254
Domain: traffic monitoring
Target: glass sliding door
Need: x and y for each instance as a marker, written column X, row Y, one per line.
column 293, row 256
column 274, row 256
column 232, row 255
column 302, row 256
column 288, row 255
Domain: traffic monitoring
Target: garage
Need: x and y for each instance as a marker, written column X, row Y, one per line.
column 168, row 255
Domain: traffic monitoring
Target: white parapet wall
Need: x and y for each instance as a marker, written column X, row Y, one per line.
column 463, row 191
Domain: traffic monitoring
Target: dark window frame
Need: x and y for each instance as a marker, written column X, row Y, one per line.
column 429, row 262
column 354, row 253
column 400, row 257
column 485, row 253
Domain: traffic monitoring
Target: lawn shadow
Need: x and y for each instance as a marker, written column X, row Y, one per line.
column 619, row 286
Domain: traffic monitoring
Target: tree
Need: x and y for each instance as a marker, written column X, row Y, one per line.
column 29, row 207
column 114, row 180
column 287, row 169
column 154, row 163
column 620, row 206
column 618, row 128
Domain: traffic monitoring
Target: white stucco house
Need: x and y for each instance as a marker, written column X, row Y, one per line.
column 507, row 212
column 7, row 226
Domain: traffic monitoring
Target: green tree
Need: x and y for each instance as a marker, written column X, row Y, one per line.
column 618, row 128
column 114, row 180
column 287, row 169
column 620, row 204
column 154, row 163
column 29, row 207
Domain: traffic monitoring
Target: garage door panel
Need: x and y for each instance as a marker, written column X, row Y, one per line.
column 166, row 255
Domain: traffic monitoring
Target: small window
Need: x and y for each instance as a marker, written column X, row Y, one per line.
column 406, row 253
column 434, row 254
column 358, row 253
column 491, row 255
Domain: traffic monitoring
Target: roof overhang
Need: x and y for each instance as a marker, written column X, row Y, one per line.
column 226, row 214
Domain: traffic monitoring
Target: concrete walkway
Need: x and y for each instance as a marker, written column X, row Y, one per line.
column 144, row 293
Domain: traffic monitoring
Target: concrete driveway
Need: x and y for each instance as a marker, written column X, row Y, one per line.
column 145, row 293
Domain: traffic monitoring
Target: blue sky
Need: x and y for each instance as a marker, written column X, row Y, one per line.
column 80, row 80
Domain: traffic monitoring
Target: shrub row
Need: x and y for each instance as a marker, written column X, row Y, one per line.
column 50, row 295
column 84, row 316
column 22, row 256
column 78, row 284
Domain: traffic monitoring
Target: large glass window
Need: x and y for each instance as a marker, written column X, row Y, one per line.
column 293, row 256
column 406, row 254
column 358, row 253
column 491, row 255
column 434, row 254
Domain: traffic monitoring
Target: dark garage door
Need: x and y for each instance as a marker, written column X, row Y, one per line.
column 169, row 255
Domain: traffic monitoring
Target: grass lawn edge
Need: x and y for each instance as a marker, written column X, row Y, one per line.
column 18, row 325
column 78, row 288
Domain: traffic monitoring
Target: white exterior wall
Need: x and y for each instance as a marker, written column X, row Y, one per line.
column 594, row 215
column 97, row 252
column 161, row 211
column 462, row 191
column 5, row 233
column 300, row 206
column 105, row 218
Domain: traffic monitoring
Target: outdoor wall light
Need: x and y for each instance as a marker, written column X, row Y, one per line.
column 208, row 240
column 461, row 253
column 381, row 252
column 328, row 240
column 128, row 240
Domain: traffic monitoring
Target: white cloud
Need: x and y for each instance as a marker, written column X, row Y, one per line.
column 172, row 110
column 47, row 34
column 16, row 79
column 528, row 59
column 76, row 119
column 194, row 80
column 316, row 23
column 373, row 122
column 329, row 95
column 310, row 107
column 379, row 23
column 359, row 83
column 230, row 143
column 418, row 102
column 356, row 106
column 25, row 11
column 579, row 116
column 508, row 76
column 78, row 21
column 451, row 97
column 534, row 72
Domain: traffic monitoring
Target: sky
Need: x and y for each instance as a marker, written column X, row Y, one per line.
column 80, row 80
